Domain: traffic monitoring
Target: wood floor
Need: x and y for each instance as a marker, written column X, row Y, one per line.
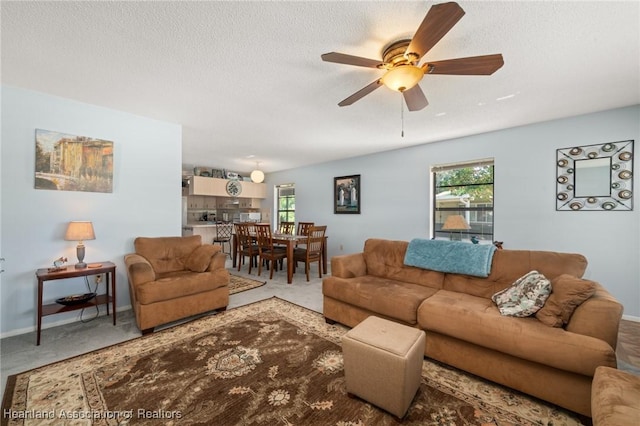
column 628, row 350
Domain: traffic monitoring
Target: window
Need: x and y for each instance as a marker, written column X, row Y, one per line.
column 464, row 189
column 286, row 203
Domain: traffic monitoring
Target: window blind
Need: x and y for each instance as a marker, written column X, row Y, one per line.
column 461, row 165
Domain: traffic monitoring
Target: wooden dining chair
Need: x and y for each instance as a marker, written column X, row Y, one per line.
column 313, row 251
column 266, row 250
column 303, row 227
column 246, row 244
column 287, row 228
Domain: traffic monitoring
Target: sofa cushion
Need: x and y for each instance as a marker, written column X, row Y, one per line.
column 179, row 284
column 477, row 320
column 200, row 258
column 385, row 259
column 509, row 265
column 567, row 293
column 167, row 254
column 390, row 298
column 525, row 297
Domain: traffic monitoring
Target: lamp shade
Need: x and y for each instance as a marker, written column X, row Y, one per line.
column 79, row 231
column 455, row 223
column 257, row 176
column 402, row 77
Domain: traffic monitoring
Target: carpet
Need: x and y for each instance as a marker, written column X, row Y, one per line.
column 270, row 362
column 238, row 284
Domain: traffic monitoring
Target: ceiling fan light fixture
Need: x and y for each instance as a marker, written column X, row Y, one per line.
column 402, row 77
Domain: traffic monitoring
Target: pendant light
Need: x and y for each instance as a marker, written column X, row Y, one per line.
column 257, row 175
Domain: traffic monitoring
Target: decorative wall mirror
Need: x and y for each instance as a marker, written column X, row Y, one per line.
column 595, row 177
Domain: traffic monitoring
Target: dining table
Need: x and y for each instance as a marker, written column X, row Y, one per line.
column 289, row 241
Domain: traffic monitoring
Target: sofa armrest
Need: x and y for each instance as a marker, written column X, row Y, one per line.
column 599, row 317
column 348, row 265
column 217, row 262
column 139, row 270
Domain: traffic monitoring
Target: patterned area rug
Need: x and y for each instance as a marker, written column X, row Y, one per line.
column 271, row 362
column 238, row 284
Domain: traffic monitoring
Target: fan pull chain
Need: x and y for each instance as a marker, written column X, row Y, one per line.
column 402, row 116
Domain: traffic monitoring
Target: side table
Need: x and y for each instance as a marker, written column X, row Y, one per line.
column 43, row 274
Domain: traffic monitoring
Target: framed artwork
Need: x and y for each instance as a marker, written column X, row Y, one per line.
column 346, row 195
column 595, row 177
column 73, row 163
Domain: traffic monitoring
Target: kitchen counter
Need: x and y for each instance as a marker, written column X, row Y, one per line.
column 199, row 225
column 206, row 230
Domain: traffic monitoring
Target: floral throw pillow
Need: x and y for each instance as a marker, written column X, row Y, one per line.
column 525, row 297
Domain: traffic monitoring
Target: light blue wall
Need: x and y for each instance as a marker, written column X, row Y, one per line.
column 395, row 196
column 146, row 199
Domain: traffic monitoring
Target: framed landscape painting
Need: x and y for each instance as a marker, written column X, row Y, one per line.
column 346, row 194
column 73, row 163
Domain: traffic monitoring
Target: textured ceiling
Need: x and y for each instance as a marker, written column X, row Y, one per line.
column 246, row 81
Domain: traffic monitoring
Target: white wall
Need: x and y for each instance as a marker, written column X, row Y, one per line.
column 395, row 196
column 145, row 200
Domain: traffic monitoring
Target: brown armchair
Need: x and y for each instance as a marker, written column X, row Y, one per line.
column 171, row 278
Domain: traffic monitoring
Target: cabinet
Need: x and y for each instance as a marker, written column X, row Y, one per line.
column 208, row 198
column 218, row 188
column 201, row 202
column 227, row 203
column 208, row 186
column 195, row 202
column 253, row 190
column 199, row 207
column 207, row 233
column 208, row 202
column 249, row 203
column 229, row 209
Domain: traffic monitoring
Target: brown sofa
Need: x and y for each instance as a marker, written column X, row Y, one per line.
column 171, row 278
column 465, row 328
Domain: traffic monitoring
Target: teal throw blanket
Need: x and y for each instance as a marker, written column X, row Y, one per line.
column 450, row 256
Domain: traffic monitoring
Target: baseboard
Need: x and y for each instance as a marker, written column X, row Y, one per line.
column 631, row 318
column 32, row 329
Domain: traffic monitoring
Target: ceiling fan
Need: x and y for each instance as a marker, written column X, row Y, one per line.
column 401, row 58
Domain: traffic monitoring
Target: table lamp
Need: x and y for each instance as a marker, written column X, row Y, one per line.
column 80, row 231
column 455, row 223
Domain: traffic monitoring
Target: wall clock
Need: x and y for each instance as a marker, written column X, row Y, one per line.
column 234, row 188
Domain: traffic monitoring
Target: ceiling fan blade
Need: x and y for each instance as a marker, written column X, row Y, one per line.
column 342, row 58
column 415, row 98
column 439, row 20
column 361, row 93
column 474, row 65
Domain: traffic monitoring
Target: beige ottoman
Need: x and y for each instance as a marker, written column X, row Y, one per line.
column 383, row 363
column 615, row 398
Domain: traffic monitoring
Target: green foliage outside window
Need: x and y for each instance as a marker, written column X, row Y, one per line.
column 286, row 205
column 465, row 191
column 474, row 181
